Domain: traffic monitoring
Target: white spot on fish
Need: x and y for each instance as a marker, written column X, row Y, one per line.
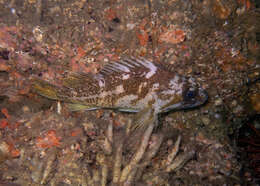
column 100, row 79
column 150, row 66
column 104, row 94
column 175, row 84
column 176, row 78
column 125, row 76
column 101, row 83
column 192, row 81
column 141, row 86
column 158, row 104
column 119, row 89
column 155, row 86
column 126, row 100
column 151, row 73
column 175, row 87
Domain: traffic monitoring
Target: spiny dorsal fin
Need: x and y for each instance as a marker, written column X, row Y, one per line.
column 128, row 65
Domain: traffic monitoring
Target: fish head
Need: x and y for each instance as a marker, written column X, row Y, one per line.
column 191, row 96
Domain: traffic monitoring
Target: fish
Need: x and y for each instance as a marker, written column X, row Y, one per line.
column 133, row 85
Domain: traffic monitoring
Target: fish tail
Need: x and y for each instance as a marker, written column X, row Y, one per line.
column 45, row 89
column 138, row 127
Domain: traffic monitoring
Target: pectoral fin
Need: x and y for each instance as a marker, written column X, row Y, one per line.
column 143, row 118
column 177, row 106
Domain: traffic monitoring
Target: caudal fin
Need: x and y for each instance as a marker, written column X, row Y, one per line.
column 45, row 89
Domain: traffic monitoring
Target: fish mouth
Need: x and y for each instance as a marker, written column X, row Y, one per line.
column 185, row 105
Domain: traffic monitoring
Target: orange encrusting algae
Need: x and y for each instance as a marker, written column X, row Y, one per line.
column 49, row 140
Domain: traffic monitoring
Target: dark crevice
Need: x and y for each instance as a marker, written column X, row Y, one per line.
column 4, row 54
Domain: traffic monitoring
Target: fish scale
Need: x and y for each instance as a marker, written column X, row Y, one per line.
column 128, row 85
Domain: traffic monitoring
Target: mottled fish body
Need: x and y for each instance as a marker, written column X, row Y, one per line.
column 128, row 85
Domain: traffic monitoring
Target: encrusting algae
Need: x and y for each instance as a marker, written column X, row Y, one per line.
column 129, row 85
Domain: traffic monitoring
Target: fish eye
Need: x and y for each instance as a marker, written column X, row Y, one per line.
column 190, row 94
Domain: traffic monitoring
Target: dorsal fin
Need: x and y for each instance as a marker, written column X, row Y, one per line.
column 129, row 65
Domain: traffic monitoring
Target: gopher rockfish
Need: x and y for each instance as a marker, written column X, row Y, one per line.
column 128, row 85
